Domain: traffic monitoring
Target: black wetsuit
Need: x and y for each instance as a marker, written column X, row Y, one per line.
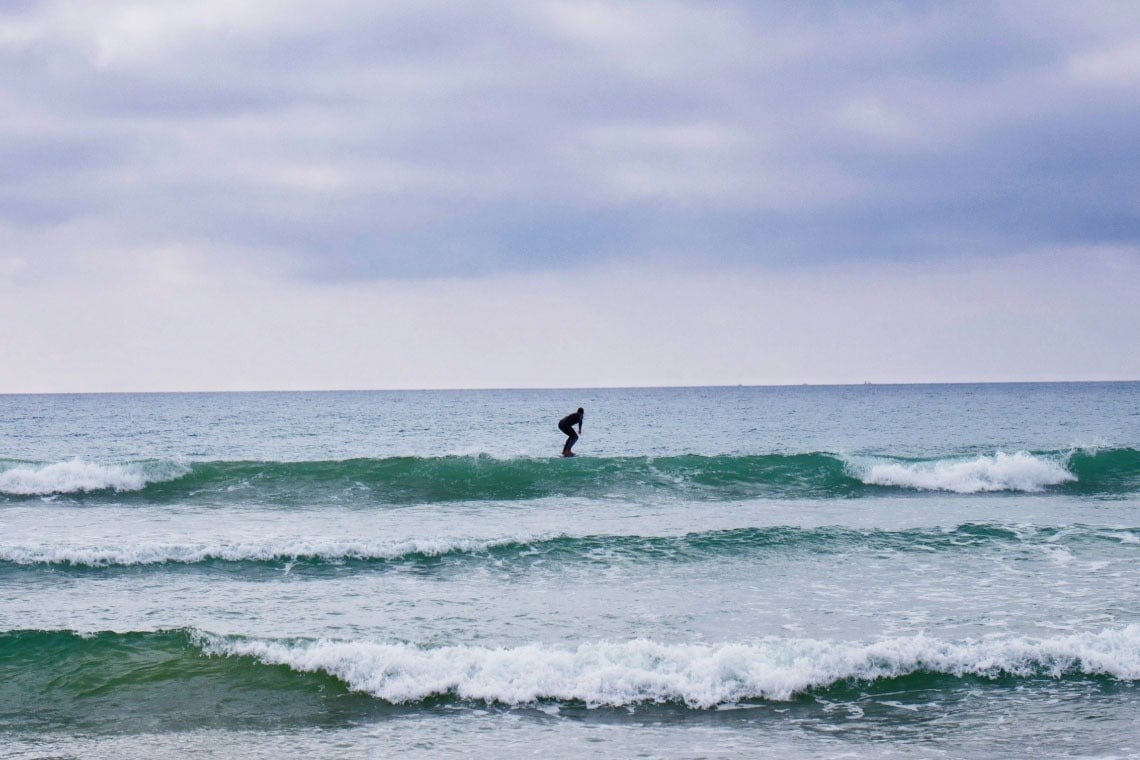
column 566, row 425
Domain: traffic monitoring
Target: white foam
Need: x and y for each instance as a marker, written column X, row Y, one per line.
column 78, row 475
column 698, row 675
column 260, row 551
column 1020, row 471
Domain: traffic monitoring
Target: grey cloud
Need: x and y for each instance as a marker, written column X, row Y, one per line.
column 427, row 139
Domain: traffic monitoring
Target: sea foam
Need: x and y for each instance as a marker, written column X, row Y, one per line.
column 1020, row 471
column 79, row 475
column 284, row 550
column 698, row 675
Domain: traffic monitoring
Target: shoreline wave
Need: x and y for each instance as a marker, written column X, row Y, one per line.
column 595, row 674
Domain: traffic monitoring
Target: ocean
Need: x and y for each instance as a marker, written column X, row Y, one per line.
column 796, row 572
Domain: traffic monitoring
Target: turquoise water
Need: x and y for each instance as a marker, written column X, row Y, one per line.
column 865, row 571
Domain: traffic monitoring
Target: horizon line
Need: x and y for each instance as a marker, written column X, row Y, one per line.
column 442, row 389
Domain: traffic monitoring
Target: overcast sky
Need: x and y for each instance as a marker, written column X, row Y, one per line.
column 266, row 194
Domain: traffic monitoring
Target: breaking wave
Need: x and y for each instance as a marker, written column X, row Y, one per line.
column 698, row 675
column 80, row 476
column 42, row 667
column 409, row 480
column 1020, row 471
column 312, row 555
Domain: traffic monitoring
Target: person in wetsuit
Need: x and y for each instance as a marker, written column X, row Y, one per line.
column 566, row 425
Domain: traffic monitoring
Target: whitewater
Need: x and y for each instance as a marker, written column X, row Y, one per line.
column 865, row 571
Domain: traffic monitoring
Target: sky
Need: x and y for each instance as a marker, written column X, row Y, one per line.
column 282, row 195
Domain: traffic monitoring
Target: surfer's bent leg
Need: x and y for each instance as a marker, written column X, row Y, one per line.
column 571, row 438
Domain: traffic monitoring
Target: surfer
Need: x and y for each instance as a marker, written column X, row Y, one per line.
column 566, row 425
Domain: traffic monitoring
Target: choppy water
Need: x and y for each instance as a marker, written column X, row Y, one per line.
column 800, row 572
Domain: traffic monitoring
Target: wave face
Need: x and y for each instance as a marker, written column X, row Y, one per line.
column 48, row 673
column 409, row 480
column 301, row 556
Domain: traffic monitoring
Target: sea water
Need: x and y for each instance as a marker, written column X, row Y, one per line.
column 863, row 571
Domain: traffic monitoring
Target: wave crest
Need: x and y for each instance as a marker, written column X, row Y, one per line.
column 1021, row 471
column 80, row 476
column 698, row 675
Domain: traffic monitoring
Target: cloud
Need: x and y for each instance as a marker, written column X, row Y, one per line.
column 406, row 140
